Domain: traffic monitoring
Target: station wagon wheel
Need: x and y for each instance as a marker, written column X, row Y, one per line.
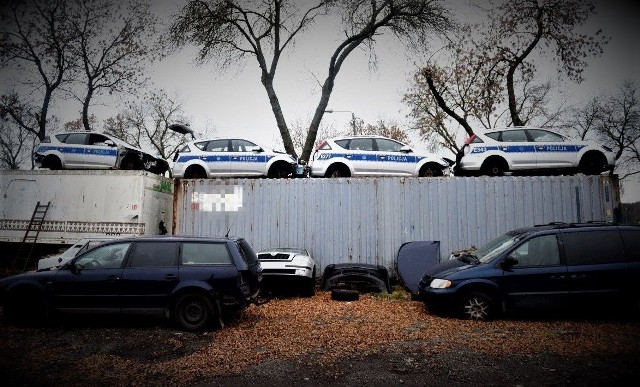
column 52, row 162
column 280, row 170
column 193, row 312
column 494, row 167
column 129, row 164
column 195, row 172
column 477, row 306
column 338, row 171
column 593, row 163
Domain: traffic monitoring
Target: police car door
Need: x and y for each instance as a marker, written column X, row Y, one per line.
column 364, row 159
column 100, row 152
column 392, row 161
column 520, row 152
column 552, row 151
column 216, row 157
column 73, row 150
column 246, row 159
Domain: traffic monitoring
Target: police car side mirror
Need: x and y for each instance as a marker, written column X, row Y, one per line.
column 256, row 149
column 508, row 262
column 109, row 143
column 406, row 149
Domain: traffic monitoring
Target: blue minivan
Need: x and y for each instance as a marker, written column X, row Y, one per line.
column 560, row 265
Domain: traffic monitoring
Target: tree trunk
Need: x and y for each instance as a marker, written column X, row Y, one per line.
column 312, row 134
column 85, row 109
column 513, row 108
column 267, row 81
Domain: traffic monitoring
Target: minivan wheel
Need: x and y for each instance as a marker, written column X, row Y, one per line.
column 477, row 306
column 193, row 312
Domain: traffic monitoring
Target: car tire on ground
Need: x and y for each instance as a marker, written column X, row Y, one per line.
column 280, row 170
column 309, row 287
column 494, row 167
column 593, row 163
column 193, row 312
column 27, row 309
column 195, row 172
column 338, row 171
column 431, row 170
column 345, row 295
column 477, row 306
column 52, row 162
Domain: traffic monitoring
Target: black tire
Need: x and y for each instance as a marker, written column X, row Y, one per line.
column 193, row 312
column 593, row 164
column 195, row 172
column 494, row 167
column 28, row 309
column 431, row 170
column 130, row 164
column 52, row 162
column 309, row 287
column 345, row 295
column 280, row 170
column 338, row 171
column 477, row 306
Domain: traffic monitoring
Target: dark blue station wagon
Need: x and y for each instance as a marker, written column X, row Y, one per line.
column 191, row 280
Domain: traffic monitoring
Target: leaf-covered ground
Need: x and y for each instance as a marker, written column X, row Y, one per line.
column 319, row 341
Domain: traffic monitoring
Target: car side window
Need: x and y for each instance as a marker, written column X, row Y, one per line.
column 76, row 138
column 248, row 255
column 361, row 144
column 631, row 240
column 538, row 251
column 217, row 146
column 105, row 257
column 538, row 135
column 493, row 136
column 593, row 247
column 205, row 254
column 153, row 254
column 385, row 145
column 514, row 136
column 62, row 137
column 242, row 145
column 342, row 143
column 97, row 139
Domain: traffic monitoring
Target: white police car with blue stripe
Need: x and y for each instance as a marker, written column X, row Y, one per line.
column 230, row 157
column 372, row 156
column 93, row 150
column 524, row 149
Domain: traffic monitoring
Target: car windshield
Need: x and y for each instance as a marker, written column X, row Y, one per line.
column 497, row 246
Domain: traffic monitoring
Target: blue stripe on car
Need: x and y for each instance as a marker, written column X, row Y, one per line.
column 226, row 158
column 372, row 157
column 529, row 148
column 79, row 150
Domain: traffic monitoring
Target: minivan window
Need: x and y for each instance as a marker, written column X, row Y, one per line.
column 153, row 254
column 205, row 254
column 497, row 246
column 593, row 247
column 538, row 251
column 631, row 239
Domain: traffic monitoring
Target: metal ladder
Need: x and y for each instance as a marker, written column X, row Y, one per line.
column 31, row 236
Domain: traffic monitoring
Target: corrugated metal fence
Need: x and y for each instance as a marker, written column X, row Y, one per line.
column 367, row 219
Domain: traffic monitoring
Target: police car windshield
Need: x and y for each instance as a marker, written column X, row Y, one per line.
column 494, row 248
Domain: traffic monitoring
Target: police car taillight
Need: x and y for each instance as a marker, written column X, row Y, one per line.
column 470, row 139
column 321, row 145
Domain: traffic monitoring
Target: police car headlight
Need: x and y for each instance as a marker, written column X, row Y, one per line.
column 440, row 283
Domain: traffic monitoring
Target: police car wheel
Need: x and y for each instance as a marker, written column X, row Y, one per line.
column 430, row 171
column 52, row 162
column 494, row 167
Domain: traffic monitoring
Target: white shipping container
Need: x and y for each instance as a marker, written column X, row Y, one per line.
column 84, row 203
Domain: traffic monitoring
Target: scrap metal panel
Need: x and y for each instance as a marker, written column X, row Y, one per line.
column 366, row 220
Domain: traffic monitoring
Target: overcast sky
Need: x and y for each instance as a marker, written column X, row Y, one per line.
column 234, row 102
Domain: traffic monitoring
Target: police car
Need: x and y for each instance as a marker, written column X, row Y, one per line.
column 372, row 156
column 93, row 150
column 230, row 157
column 530, row 149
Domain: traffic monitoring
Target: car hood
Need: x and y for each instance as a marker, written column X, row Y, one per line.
column 446, row 268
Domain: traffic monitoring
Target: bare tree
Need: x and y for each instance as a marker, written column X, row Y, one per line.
column 232, row 29
column 113, row 45
column 35, row 41
column 491, row 79
column 16, row 144
column 146, row 123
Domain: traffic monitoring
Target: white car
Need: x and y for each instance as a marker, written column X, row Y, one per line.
column 530, row 149
column 291, row 263
column 93, row 150
column 55, row 261
column 230, row 157
column 372, row 156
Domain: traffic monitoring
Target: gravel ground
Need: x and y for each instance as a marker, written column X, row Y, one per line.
column 317, row 341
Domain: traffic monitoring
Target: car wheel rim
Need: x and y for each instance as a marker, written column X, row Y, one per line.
column 194, row 312
column 476, row 309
